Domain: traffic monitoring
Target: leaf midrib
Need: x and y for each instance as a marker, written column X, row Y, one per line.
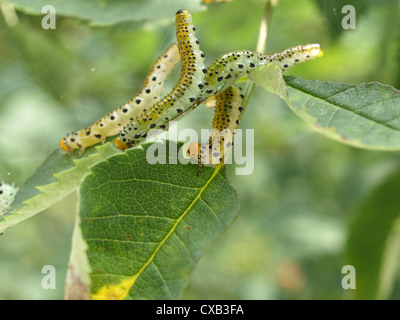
column 177, row 222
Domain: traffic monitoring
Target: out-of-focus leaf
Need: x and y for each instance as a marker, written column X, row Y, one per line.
column 106, row 12
column 332, row 12
column 43, row 56
column 374, row 240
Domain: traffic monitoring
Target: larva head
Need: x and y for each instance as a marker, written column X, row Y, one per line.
column 183, row 13
column 306, row 52
column 194, row 151
column 119, row 144
column 315, row 50
column 64, row 145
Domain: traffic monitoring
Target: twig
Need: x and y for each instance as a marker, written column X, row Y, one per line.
column 261, row 44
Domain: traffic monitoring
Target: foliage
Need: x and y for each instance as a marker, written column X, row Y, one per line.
column 146, row 225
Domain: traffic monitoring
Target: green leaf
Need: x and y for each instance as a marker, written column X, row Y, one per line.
column 56, row 178
column 365, row 115
column 102, row 12
column 373, row 245
column 146, row 225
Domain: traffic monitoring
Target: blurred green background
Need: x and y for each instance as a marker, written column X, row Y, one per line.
column 289, row 240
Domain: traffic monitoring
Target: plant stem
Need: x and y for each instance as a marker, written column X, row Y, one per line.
column 261, row 44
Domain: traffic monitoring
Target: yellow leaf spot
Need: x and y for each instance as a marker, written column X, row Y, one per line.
column 115, row 292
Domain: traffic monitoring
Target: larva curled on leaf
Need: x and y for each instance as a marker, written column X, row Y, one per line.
column 7, row 195
column 226, row 118
column 197, row 83
column 112, row 123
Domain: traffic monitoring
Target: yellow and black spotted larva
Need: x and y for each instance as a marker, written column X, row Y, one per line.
column 183, row 96
column 7, row 195
column 112, row 123
column 228, row 106
column 195, row 85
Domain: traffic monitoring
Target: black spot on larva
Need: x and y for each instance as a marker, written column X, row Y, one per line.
column 159, row 66
column 192, row 99
column 101, row 125
column 124, row 139
column 112, row 118
column 163, row 126
column 87, row 133
column 180, row 11
column 179, row 110
column 138, row 101
column 228, row 76
column 154, row 78
column 202, row 55
column 220, row 79
column 204, row 70
column 240, row 109
column 201, row 86
column 166, row 118
column 124, row 110
column 135, row 128
column 240, row 66
column 152, row 125
column 148, row 90
column 122, row 134
column 72, row 140
column 136, row 136
column 98, row 136
column 296, row 60
column 209, row 90
column 252, row 65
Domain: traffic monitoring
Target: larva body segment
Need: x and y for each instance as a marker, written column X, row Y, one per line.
column 226, row 119
column 7, row 195
column 112, row 123
column 183, row 96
